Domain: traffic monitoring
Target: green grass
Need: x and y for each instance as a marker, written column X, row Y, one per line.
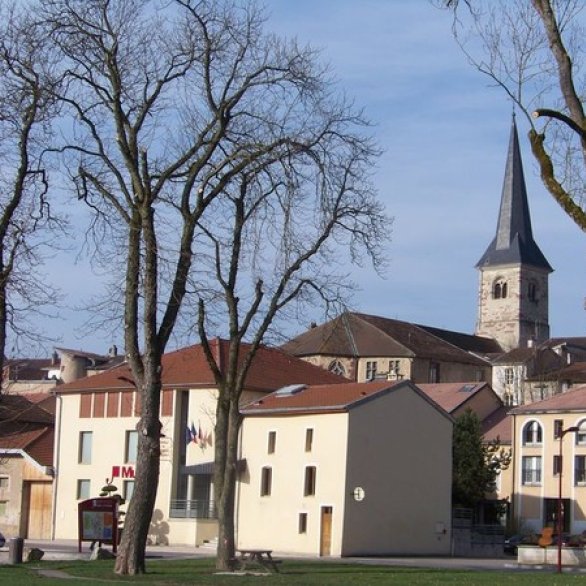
column 293, row 573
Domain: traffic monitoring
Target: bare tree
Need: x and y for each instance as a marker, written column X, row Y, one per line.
column 533, row 50
column 171, row 106
column 282, row 237
column 27, row 108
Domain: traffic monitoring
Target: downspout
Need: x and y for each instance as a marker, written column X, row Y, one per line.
column 239, row 486
column 56, row 447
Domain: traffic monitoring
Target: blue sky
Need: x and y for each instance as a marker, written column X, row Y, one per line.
column 444, row 131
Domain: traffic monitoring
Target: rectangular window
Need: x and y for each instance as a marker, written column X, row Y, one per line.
column 85, row 447
column 531, row 470
column 302, row 522
column 131, row 449
column 127, row 489
column 309, row 487
column 558, row 426
column 272, row 442
column 308, row 439
column 3, row 508
column 83, row 489
column 370, row 369
column 266, row 481
column 434, row 373
column 509, row 376
column 580, row 470
column 4, row 481
column 581, row 435
column 557, row 465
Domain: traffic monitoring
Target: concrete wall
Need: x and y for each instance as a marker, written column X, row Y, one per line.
column 400, row 453
column 272, row 522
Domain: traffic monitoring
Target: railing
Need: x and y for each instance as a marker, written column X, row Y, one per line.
column 193, row 509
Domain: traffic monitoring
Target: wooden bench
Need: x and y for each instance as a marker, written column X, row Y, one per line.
column 262, row 557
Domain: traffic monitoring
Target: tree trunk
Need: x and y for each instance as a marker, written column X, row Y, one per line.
column 227, row 431
column 131, row 553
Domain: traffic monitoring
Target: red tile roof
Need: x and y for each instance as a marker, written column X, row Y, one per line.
column 451, row 396
column 498, row 426
column 358, row 334
column 327, row 398
column 26, row 426
column 188, row 367
column 572, row 400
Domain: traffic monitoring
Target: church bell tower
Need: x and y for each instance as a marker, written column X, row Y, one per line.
column 513, row 294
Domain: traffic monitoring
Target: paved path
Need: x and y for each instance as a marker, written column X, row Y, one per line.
column 67, row 549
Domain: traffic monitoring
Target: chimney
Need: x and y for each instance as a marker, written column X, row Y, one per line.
column 113, row 351
column 54, row 358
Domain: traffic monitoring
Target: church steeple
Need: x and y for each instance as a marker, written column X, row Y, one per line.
column 513, row 296
column 514, row 242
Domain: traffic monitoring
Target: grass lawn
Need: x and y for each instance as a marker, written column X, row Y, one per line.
column 195, row 572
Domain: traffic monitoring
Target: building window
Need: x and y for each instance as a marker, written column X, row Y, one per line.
column 4, row 482
column 557, row 465
column 558, row 426
column 509, row 376
column 272, row 442
column 337, row 368
column 127, row 489
column 83, row 489
column 3, row 508
column 500, row 289
column 309, row 486
column 302, row 522
column 531, row 470
column 266, row 481
column 131, row 450
column 532, row 434
column 580, row 470
column 85, row 447
column 370, row 369
column 308, row 439
column 434, row 372
column 532, row 292
column 581, row 434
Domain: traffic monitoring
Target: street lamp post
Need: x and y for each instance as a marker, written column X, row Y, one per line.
column 563, row 432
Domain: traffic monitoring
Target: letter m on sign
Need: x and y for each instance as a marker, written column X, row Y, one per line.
column 127, row 472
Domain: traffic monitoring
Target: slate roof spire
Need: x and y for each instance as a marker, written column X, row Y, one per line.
column 513, row 243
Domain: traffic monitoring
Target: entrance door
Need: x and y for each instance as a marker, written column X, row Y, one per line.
column 325, row 540
column 37, row 508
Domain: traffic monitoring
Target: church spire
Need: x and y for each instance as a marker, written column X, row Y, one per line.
column 513, row 243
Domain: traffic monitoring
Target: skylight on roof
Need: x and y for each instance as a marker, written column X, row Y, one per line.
column 289, row 390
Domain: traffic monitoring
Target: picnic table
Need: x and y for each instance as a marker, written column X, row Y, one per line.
column 263, row 557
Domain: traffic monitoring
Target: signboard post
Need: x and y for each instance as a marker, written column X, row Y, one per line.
column 98, row 521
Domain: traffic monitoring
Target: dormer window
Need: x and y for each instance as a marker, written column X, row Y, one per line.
column 499, row 290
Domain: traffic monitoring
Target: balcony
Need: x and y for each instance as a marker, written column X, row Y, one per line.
column 192, row 509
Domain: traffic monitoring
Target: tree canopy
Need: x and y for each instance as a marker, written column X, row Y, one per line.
column 533, row 51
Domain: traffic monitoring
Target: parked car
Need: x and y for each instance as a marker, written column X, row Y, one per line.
column 512, row 542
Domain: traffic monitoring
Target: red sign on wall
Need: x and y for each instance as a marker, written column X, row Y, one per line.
column 122, row 471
